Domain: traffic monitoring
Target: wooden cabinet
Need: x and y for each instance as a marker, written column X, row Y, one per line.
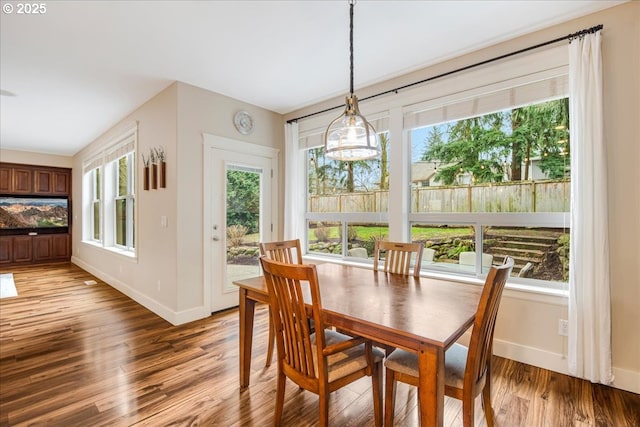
column 26, row 180
column 16, row 179
column 16, row 249
column 28, row 249
column 51, row 182
column 39, row 180
column 50, row 247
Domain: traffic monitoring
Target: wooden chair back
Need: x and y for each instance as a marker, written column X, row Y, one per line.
column 480, row 344
column 287, row 251
column 287, row 285
column 398, row 257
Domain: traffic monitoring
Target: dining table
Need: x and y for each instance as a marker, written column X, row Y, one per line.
column 423, row 315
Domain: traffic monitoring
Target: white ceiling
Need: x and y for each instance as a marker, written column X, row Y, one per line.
column 80, row 67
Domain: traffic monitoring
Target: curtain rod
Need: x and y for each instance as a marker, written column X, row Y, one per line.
column 569, row 37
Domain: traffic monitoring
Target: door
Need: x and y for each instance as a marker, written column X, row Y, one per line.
column 240, row 204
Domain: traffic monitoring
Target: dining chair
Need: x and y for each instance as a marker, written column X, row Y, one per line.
column 467, row 369
column 398, row 257
column 321, row 361
column 283, row 251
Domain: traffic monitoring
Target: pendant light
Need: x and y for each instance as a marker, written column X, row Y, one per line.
column 350, row 136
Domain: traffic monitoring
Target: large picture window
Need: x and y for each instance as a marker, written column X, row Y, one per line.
column 503, row 174
column 485, row 174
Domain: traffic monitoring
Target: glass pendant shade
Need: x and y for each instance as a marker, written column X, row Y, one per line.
column 350, row 136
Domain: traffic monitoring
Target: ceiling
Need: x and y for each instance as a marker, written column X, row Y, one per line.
column 69, row 74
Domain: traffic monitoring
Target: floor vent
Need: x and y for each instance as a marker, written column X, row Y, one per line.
column 90, row 282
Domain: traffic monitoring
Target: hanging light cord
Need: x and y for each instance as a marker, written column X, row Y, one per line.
column 351, row 4
column 448, row 73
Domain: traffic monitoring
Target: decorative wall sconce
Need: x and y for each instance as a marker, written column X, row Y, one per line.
column 156, row 159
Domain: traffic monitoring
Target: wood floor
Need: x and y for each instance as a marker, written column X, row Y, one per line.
column 73, row 354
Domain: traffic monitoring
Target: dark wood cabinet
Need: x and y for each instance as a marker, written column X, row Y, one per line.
column 38, row 180
column 5, row 179
column 25, row 180
column 51, row 182
column 22, row 180
column 27, row 249
column 51, row 247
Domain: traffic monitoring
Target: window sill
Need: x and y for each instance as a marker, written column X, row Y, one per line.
column 512, row 290
column 127, row 254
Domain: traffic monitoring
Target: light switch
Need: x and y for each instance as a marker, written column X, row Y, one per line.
column 164, row 222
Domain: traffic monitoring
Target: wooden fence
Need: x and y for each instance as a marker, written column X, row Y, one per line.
column 525, row 196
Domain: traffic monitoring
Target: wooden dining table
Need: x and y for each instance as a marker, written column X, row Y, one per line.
column 419, row 314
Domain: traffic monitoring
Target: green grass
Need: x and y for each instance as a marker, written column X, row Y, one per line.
column 418, row 233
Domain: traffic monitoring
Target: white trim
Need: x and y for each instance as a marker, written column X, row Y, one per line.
column 173, row 317
column 624, row 379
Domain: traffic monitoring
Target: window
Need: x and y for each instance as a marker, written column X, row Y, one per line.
column 109, row 195
column 347, row 203
column 96, row 205
column 481, row 171
column 124, row 201
column 492, row 181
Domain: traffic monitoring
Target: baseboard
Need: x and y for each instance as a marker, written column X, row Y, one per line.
column 556, row 362
column 173, row 317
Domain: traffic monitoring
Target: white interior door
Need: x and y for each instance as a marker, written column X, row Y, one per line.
column 240, row 215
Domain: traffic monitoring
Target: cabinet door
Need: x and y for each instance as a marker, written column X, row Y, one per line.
column 60, row 246
column 42, row 181
column 22, row 249
column 43, row 249
column 5, row 179
column 6, row 249
column 22, row 180
column 61, row 183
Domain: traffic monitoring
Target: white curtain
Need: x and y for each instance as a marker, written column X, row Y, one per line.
column 589, row 296
column 294, row 200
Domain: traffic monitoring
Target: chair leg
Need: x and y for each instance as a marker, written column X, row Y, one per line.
column 389, row 398
column 324, row 408
column 272, row 338
column 467, row 412
column 282, row 382
column 486, row 403
column 376, row 385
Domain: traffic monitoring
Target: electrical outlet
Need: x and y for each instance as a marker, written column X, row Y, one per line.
column 563, row 327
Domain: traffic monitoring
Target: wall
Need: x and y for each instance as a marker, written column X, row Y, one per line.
column 136, row 277
column 167, row 275
column 201, row 111
column 527, row 328
column 29, row 158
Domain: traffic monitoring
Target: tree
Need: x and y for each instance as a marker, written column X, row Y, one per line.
column 243, row 199
column 493, row 147
column 475, row 146
column 536, row 131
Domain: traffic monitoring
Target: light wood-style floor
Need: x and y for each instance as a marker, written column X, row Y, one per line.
column 73, row 354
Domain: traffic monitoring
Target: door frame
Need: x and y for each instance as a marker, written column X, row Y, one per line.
column 210, row 142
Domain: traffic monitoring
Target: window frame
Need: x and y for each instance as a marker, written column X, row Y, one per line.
column 128, row 198
column 105, row 163
column 526, row 71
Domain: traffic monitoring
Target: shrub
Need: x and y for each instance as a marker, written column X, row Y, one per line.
column 352, row 233
column 322, row 234
column 235, row 234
